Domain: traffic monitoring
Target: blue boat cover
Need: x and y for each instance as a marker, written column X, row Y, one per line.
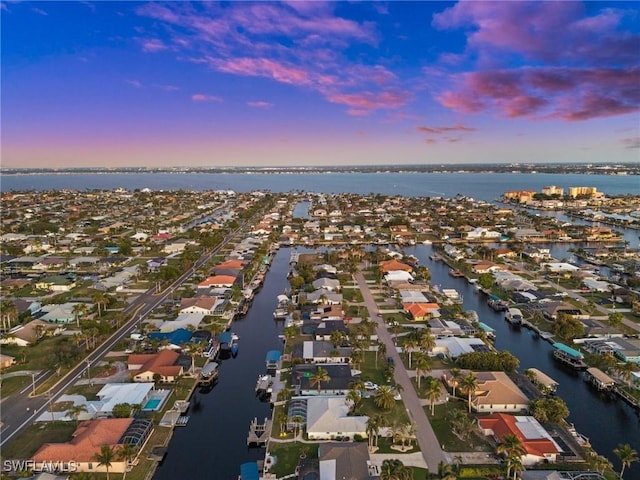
column 177, row 337
column 273, row 355
column 249, row 471
column 568, row 350
column 225, row 337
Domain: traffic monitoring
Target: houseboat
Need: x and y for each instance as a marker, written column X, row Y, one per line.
column 452, row 295
column 599, row 379
column 208, row 374
column 513, row 316
column 455, row 273
column 497, row 304
column 569, row 356
column 264, row 384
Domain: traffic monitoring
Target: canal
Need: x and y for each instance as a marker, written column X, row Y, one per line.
column 605, row 421
column 213, row 443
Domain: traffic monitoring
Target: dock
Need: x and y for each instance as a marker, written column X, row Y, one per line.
column 599, row 379
column 569, row 356
column 259, row 433
column 618, row 390
column 545, row 383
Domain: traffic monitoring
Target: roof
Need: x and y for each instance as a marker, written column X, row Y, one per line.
column 543, row 378
column 179, row 336
column 87, row 441
column 162, row 362
column 273, row 355
column 496, row 388
column 348, row 460
column 568, row 350
column 331, row 414
column 115, row 393
column 393, row 264
column 535, row 439
column 217, row 280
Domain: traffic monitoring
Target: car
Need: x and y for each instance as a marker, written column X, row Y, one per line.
column 370, row 386
column 390, row 360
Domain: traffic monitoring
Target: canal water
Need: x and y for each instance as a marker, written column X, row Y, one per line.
column 213, row 443
column 606, row 421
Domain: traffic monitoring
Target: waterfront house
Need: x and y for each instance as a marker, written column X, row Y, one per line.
column 204, row 304
column 217, row 281
column 340, row 379
column 327, row 284
column 538, row 444
column 627, row 349
column 173, row 340
column 144, row 366
column 421, row 311
column 186, row 321
column 325, row 297
column 325, row 328
column 86, row 443
column 113, row 394
column 453, row 347
column 328, row 418
column 345, row 460
column 551, row 310
column 56, row 283
column 6, row 361
column 323, row 351
column 394, row 265
column 496, row 392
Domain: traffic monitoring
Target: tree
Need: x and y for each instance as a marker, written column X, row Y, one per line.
column 625, row 369
column 469, row 384
column 79, row 310
column 355, row 397
column 445, row 471
column 615, row 319
column 423, row 366
column 320, row 376
column 394, row 469
column 456, row 375
column 75, row 411
column 427, row 340
column 511, row 447
column 105, row 457
column 627, row 456
column 100, row 299
column 552, row 409
column 409, row 345
column 127, row 453
column 433, row 392
column 121, row 410
column 568, row 327
column 194, row 348
column 486, row 280
column 384, row 398
column 381, row 350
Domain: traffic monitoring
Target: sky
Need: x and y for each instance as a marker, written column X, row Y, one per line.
column 161, row 84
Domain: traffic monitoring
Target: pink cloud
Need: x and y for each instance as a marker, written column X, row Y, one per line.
column 546, row 92
column 260, row 104
column 153, row 45
column 201, row 97
column 166, row 88
column 440, row 130
column 368, row 101
column 262, row 67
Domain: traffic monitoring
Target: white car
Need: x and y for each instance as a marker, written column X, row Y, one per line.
column 370, row 386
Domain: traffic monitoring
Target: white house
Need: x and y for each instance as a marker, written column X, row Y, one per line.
column 328, row 418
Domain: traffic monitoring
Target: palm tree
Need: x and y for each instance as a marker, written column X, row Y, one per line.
column 194, row 348
column 105, row 457
column 511, row 446
column 469, row 384
column 75, row 411
column 627, row 456
column 382, row 350
column 427, row 340
column 456, row 375
column 9, row 313
column 384, row 398
column 99, row 299
column 433, row 392
column 320, row 376
column 127, row 453
column 423, row 366
column 394, row 469
column 445, row 471
column 372, row 429
column 79, row 310
column 355, row 397
column 409, row 345
column 625, row 370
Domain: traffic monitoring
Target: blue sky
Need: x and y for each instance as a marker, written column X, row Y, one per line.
column 312, row 83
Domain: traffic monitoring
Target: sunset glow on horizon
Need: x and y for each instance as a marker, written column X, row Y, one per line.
column 318, row 83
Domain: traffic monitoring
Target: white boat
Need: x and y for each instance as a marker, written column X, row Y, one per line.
column 513, row 316
column 427, row 242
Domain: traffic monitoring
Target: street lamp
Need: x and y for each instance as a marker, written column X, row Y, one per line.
column 33, row 384
column 88, row 370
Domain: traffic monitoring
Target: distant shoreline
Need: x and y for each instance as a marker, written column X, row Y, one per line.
column 584, row 169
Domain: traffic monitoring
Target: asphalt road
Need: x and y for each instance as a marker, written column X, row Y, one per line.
column 20, row 409
column 429, row 445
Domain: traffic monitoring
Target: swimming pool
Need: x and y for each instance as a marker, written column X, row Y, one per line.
column 152, row 404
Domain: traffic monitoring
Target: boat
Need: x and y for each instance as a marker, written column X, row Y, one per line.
column 455, row 273
column 497, row 304
column 452, row 295
column 489, row 332
column 427, row 242
column 569, row 356
column 435, row 257
column 208, row 374
column 234, row 349
column 263, row 384
column 513, row 316
column 545, row 383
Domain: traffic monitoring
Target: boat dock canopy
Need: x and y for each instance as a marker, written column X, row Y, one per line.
column 225, row 337
column 601, row 377
column 568, row 350
column 273, row 358
column 249, row 471
column 486, row 327
column 544, row 379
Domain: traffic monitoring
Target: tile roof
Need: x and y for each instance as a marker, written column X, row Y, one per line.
column 87, row 441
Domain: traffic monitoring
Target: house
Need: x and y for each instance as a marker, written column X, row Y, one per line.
column 23, row 335
column 326, row 284
column 340, row 378
column 6, row 361
column 325, row 297
column 481, row 233
column 113, row 394
column 398, row 276
column 538, row 444
column 327, row 327
column 184, row 321
column 174, row 339
column 61, row 313
column 328, row 418
column 204, row 305
column 217, row 281
column 323, row 351
column 393, row 265
column 86, row 443
column 350, row 461
column 453, row 347
column 56, row 283
column 144, row 366
column 421, row 311
column 551, row 310
column 496, row 392
column 177, row 246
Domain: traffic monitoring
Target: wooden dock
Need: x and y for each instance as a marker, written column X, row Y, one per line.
column 618, row 390
column 259, row 433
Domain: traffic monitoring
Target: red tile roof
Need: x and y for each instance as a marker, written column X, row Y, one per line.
column 503, row 424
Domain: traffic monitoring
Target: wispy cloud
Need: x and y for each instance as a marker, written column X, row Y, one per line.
column 134, row 83
column 40, row 11
column 631, row 142
column 166, row 88
column 237, row 39
column 449, row 133
column 260, row 104
column 153, row 45
column 201, row 97
column 593, row 77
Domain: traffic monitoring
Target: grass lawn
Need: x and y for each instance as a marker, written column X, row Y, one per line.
column 32, row 438
column 90, row 392
column 396, row 416
column 14, row 384
column 372, row 372
column 159, row 437
column 441, row 424
column 288, row 454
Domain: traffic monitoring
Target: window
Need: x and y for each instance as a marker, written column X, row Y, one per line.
column 90, row 466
